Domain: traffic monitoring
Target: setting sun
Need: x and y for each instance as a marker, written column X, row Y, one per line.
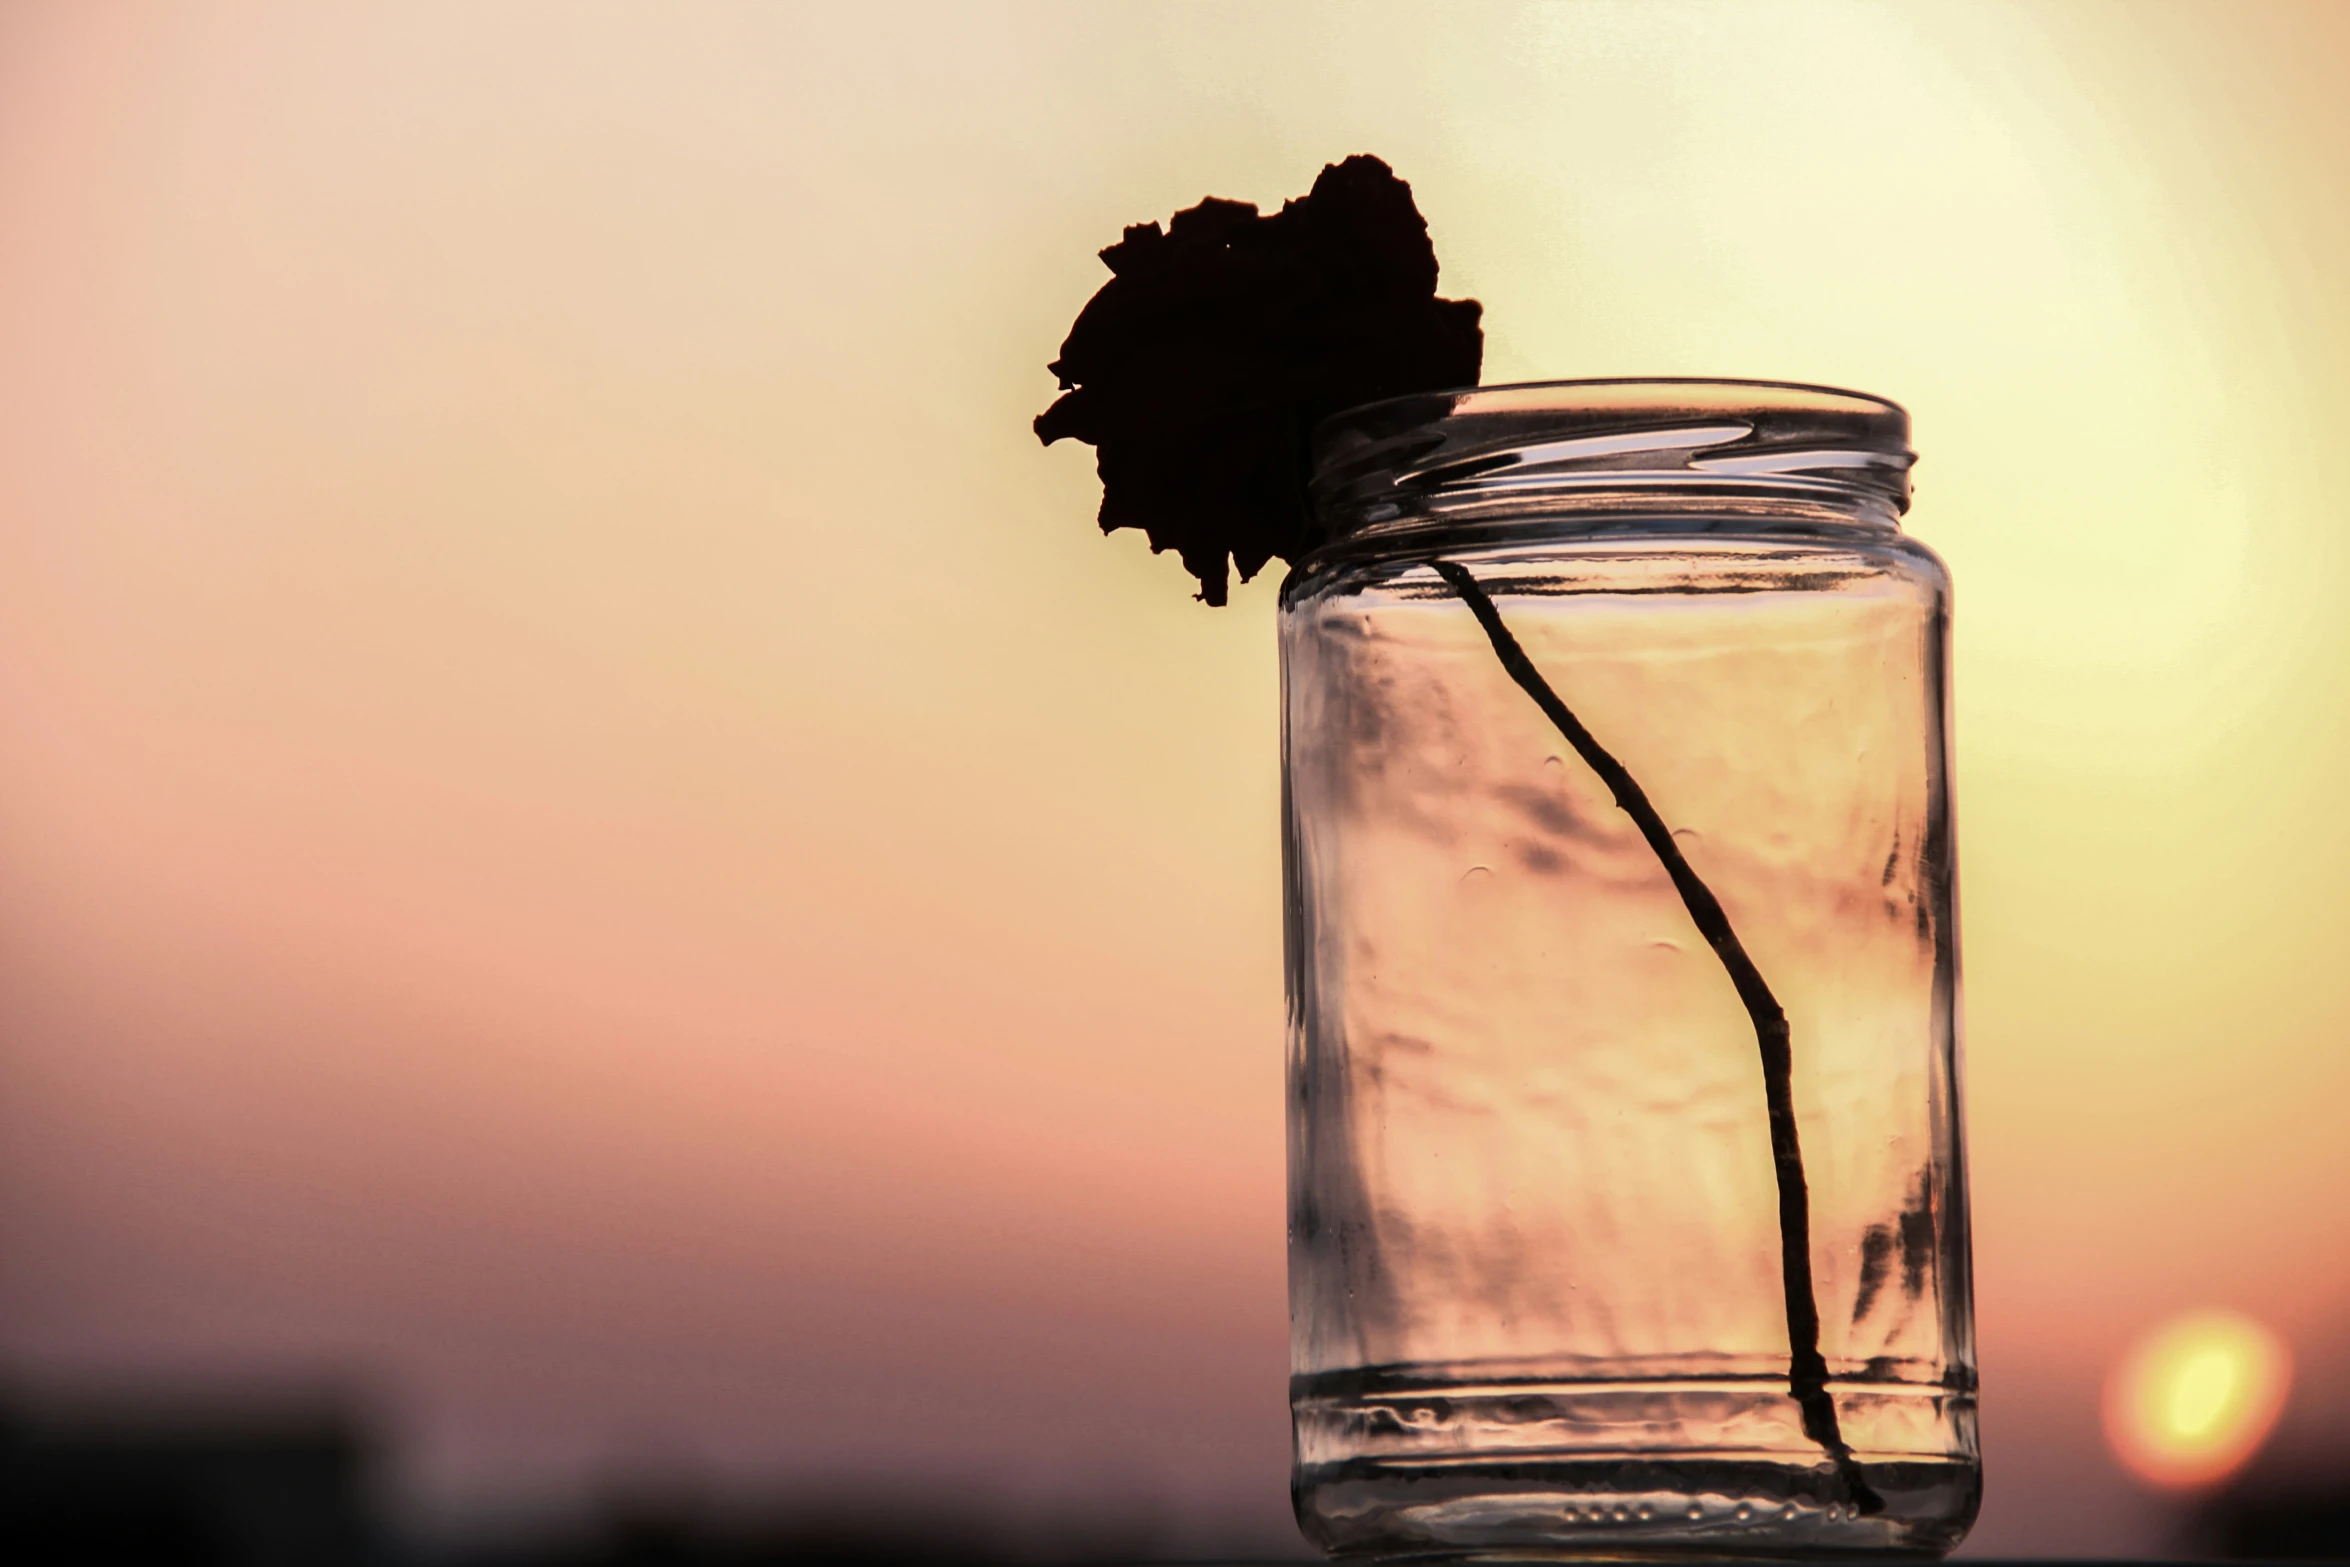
column 2196, row 1397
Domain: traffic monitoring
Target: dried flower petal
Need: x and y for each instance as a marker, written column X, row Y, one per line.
column 1200, row 369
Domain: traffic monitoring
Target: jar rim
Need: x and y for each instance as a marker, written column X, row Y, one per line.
column 1600, row 445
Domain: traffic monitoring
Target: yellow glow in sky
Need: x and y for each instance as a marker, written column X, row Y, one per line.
column 2195, row 1398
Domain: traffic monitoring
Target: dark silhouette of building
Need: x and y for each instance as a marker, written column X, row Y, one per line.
column 244, row 1487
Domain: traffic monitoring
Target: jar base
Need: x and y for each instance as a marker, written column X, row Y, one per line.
column 1655, row 1507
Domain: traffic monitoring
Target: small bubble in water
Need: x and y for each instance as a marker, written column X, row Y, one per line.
column 1744, row 1512
column 1622, row 1516
column 1697, row 1509
column 1643, row 1515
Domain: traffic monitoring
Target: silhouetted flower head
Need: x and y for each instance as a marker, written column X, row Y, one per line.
column 1199, row 371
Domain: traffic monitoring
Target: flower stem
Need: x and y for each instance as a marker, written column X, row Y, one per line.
column 1807, row 1372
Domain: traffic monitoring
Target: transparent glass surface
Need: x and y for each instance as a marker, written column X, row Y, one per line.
column 1540, row 1296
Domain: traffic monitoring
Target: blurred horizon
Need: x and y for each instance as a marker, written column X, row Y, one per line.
column 596, row 853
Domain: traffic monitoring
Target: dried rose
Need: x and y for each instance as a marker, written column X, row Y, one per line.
column 1199, row 371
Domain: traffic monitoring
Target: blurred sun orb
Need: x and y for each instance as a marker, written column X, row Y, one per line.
column 2195, row 1398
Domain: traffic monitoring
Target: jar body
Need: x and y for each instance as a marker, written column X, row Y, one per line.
column 1541, row 1296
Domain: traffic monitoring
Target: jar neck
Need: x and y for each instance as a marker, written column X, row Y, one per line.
column 1643, row 457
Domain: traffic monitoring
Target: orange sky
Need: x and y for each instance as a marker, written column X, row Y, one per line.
column 590, row 838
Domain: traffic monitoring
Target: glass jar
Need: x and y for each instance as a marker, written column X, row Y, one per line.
column 1627, row 1190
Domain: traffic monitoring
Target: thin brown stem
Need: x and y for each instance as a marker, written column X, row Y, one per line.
column 1807, row 1373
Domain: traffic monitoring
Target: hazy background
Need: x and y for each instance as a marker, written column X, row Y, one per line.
column 594, row 850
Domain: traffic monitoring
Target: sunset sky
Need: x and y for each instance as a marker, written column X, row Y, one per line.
column 593, row 846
